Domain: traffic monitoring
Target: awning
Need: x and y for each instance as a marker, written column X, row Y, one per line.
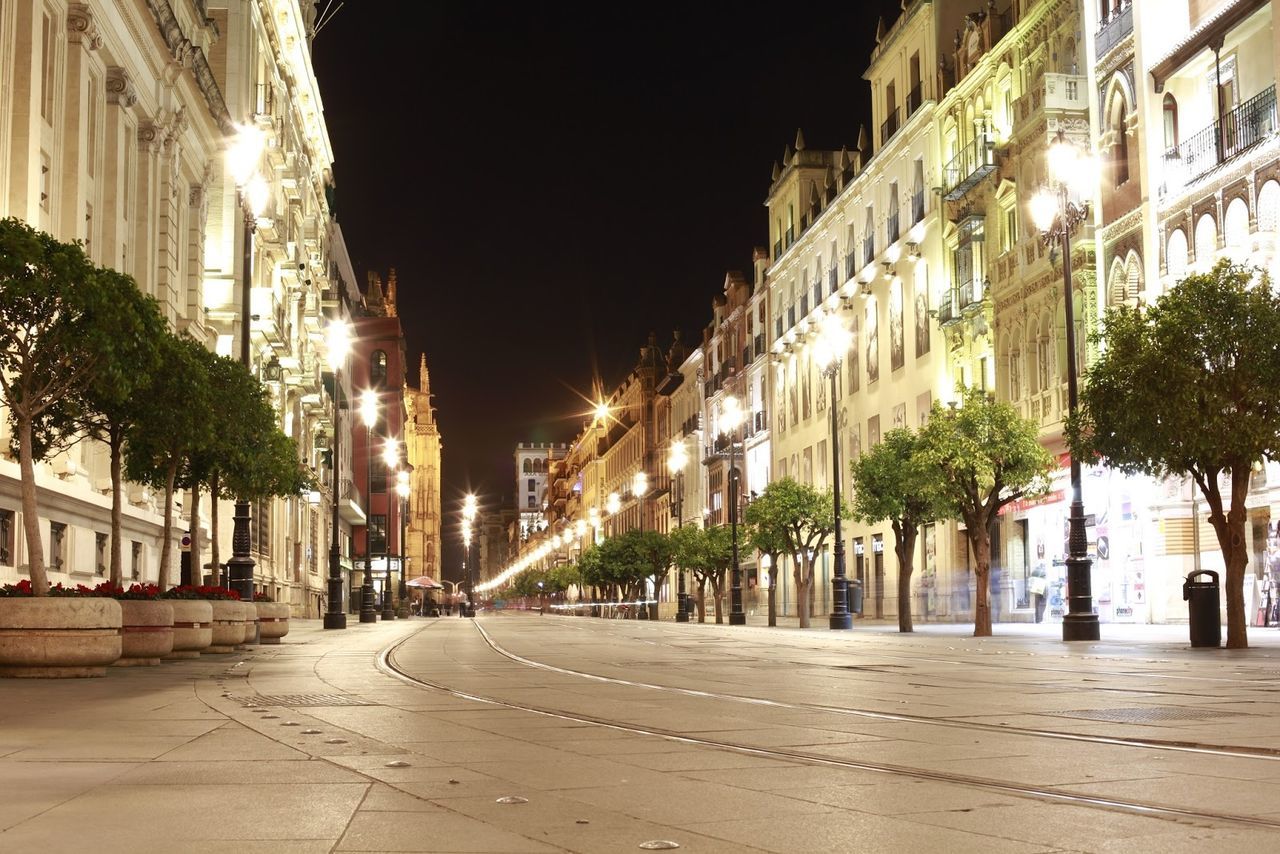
column 424, row 581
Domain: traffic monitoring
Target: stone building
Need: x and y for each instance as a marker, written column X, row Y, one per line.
column 423, row 447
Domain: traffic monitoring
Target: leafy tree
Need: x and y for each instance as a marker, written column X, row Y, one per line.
column 563, row 577
column 892, row 481
column 804, row 519
column 174, row 424
column 983, row 455
column 715, row 557
column 655, row 551
column 105, row 409
column 687, row 554
column 1187, row 388
column 768, row 540
column 58, row 320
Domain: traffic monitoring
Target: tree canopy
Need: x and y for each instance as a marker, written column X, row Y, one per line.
column 804, row 518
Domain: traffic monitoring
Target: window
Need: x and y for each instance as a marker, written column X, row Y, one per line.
column 48, row 53
column 1010, row 233
column 377, row 477
column 6, row 537
column 917, row 192
column 891, row 225
column 532, row 503
column 1120, row 149
column 100, row 553
column 378, row 369
column 377, row 534
column 135, row 559
column 533, row 485
column 1170, row 121
column 528, row 465
column 57, row 545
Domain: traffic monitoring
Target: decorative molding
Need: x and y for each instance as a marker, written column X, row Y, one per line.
column 120, row 89
column 81, row 28
column 150, row 136
column 188, row 55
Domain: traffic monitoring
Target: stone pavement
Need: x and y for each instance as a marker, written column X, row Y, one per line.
column 341, row 756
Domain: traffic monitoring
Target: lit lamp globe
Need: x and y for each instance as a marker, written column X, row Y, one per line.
column 391, row 453
column 613, row 503
column 833, row 342
column 338, row 342
column 639, row 484
column 678, row 458
column 369, row 407
column 731, row 416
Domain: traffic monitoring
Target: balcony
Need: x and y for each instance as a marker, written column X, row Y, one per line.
column 1114, row 30
column 974, row 162
column 1057, row 94
column 1241, row 129
column 759, row 345
column 917, row 206
column 833, row 279
column 351, row 504
column 891, row 125
column 949, row 309
column 868, row 249
column 804, row 305
column 791, row 237
column 914, row 99
column 971, row 296
column 777, row 249
column 850, row 266
column 891, row 232
column 760, row 421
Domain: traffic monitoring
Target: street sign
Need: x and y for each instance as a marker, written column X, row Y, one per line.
column 186, row 542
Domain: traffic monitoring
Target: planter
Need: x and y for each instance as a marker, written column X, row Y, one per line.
column 273, row 621
column 250, row 619
column 58, row 637
column 228, row 625
column 146, row 632
column 192, row 627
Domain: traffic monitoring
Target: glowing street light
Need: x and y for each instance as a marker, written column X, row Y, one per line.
column 677, row 459
column 829, row 351
column 731, row 417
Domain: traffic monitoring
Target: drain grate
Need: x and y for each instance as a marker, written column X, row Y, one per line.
column 302, row 700
column 1147, row 714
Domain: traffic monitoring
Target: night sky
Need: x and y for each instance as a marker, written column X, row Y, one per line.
column 553, row 183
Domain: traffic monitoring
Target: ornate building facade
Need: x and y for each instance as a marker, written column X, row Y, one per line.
column 423, row 446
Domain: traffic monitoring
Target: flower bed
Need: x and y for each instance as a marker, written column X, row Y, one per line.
column 147, row 623
column 69, row 633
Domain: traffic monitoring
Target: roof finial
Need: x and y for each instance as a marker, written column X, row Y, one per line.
column 391, row 293
column 799, row 140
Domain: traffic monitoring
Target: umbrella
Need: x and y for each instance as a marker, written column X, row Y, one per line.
column 424, row 581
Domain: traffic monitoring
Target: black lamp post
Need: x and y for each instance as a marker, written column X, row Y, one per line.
column 676, row 462
column 470, row 510
column 390, row 456
column 833, row 341
column 368, row 414
column 243, row 158
column 402, row 490
column 339, row 340
column 1057, row 217
column 733, row 420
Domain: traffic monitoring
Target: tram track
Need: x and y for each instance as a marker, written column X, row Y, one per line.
column 386, row 662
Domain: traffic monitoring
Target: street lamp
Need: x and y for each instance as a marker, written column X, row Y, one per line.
column 1057, row 216
column 338, row 337
column 469, row 510
column 402, row 490
column 369, row 415
column 243, row 157
column 677, row 459
column 391, row 459
column 639, row 487
column 833, row 342
column 730, row 419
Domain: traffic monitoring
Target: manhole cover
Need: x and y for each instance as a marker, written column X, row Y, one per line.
column 1147, row 714
column 301, row 700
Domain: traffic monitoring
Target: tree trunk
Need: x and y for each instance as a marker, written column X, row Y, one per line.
column 904, row 544
column 214, row 552
column 116, row 443
column 980, row 542
column 197, row 571
column 166, row 532
column 802, row 578
column 30, row 513
column 657, row 594
column 773, row 591
column 1231, row 539
column 717, row 593
column 702, row 600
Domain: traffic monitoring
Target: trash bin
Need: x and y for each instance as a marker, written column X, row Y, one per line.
column 855, row 596
column 1203, row 608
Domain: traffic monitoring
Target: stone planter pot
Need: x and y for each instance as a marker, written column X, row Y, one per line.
column 58, row 637
column 273, row 621
column 147, row 632
column 192, row 628
column 250, row 619
column 228, row 625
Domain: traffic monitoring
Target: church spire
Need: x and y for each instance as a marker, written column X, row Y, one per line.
column 373, row 296
column 424, row 378
column 391, row 293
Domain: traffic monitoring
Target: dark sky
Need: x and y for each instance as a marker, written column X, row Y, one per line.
column 552, row 182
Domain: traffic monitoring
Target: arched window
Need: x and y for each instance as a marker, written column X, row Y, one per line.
column 1269, row 206
column 528, row 466
column 1235, row 230
column 1120, row 145
column 1175, row 254
column 1206, row 241
column 1170, row 121
column 378, row 369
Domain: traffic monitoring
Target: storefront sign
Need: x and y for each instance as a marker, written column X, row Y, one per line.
column 1022, row 505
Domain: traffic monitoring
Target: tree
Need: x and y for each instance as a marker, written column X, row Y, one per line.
column 655, row 551
column 58, row 318
column 715, row 556
column 106, row 408
column 768, row 540
column 686, row 554
column 982, row 455
column 1187, row 388
column 803, row 518
column 174, row 424
column 893, row 481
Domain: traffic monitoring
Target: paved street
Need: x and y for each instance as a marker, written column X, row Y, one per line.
column 404, row 736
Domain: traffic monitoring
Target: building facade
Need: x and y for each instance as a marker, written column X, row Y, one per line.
column 423, row 446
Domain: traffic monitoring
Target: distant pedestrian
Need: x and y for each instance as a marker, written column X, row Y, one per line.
column 1038, row 586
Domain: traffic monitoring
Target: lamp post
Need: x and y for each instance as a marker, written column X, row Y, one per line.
column 731, row 418
column 402, row 490
column 676, row 461
column 243, row 158
column 1057, row 216
column 339, row 345
column 369, row 415
column 390, row 458
column 833, row 342
column 469, row 511
column 640, row 488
